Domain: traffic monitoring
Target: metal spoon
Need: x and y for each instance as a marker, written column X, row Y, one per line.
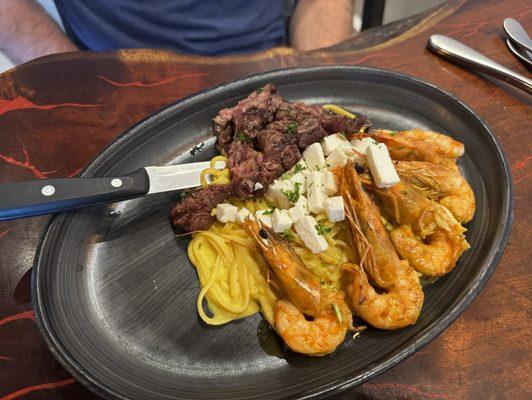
column 516, row 52
column 464, row 55
column 517, row 33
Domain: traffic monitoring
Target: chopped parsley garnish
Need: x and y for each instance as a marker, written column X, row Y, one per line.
column 411, row 153
column 289, row 174
column 286, row 175
column 342, row 135
column 299, row 168
column 288, row 235
column 242, row 137
column 292, row 195
column 291, row 128
column 259, row 90
column 393, row 133
column 323, row 230
column 404, row 192
column 268, row 212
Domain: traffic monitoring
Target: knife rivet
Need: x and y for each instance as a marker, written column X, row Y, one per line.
column 116, row 182
column 48, row 190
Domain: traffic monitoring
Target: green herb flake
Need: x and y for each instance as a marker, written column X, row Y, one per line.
column 292, row 195
column 342, row 135
column 411, row 153
column 393, row 133
column 242, row 137
column 288, row 235
column 299, row 168
column 323, row 230
column 259, row 90
column 291, row 128
column 404, row 192
column 286, row 175
column 268, row 212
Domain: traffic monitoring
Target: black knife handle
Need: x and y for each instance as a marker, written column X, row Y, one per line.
column 46, row 196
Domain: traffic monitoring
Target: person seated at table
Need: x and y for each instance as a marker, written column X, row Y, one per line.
column 205, row 27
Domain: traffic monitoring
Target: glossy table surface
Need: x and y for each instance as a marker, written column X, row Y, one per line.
column 58, row 112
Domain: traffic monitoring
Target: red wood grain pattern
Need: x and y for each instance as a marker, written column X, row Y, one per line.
column 56, row 113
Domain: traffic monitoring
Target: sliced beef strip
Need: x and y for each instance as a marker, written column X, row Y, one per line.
column 245, row 165
column 309, row 131
column 223, row 129
column 334, row 123
column 194, row 212
column 278, row 148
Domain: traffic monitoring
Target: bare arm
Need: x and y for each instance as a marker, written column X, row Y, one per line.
column 321, row 23
column 28, row 32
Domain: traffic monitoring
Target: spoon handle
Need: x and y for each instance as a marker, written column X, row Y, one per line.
column 464, row 55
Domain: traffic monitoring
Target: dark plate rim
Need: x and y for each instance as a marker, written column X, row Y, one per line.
column 431, row 332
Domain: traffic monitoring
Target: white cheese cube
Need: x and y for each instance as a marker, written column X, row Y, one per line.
column 265, row 219
column 273, row 192
column 301, row 179
column 258, row 186
column 336, row 159
column 314, row 157
column 306, row 230
column 303, row 202
column 381, row 166
column 297, row 212
column 281, row 221
column 314, row 180
column 331, row 142
column 334, row 206
column 285, row 187
column 330, row 186
column 244, row 214
column 226, row 212
column 316, row 200
column 361, row 147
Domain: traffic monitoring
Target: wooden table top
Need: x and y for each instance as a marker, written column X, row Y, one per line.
column 58, row 112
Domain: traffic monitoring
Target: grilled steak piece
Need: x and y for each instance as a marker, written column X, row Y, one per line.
column 194, row 212
column 309, row 131
column 248, row 117
column 245, row 165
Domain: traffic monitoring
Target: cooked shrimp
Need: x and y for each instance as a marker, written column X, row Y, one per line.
column 428, row 236
column 445, row 185
column 443, row 144
column 317, row 337
column 400, row 303
column 410, row 146
column 296, row 281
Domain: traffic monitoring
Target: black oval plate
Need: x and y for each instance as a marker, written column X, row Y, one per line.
column 115, row 295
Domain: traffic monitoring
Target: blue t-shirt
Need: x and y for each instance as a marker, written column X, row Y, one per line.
column 207, row 27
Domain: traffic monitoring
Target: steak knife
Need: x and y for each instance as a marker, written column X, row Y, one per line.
column 46, row 196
